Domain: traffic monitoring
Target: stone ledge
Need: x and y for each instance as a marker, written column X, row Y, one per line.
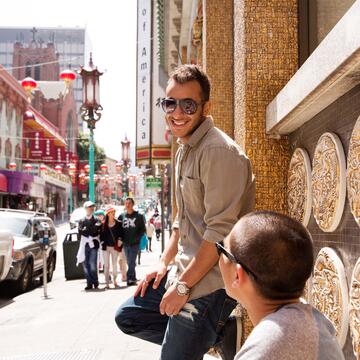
column 331, row 71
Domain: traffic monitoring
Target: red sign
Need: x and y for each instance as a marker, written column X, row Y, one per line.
column 50, row 152
column 60, row 155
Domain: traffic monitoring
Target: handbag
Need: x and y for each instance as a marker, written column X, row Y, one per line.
column 117, row 247
column 143, row 242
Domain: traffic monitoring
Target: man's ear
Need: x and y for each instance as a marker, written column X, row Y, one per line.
column 207, row 108
column 239, row 277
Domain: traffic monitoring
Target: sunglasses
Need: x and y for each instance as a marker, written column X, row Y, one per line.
column 188, row 106
column 221, row 250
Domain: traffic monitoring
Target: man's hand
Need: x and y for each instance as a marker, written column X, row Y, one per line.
column 158, row 275
column 172, row 303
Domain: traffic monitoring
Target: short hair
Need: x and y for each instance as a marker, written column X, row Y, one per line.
column 130, row 199
column 189, row 72
column 278, row 249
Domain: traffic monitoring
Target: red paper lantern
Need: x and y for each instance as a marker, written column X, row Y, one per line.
column 68, row 76
column 28, row 166
column 87, row 167
column 42, row 167
column 72, row 167
column 12, row 166
column 29, row 84
column 103, row 167
column 118, row 166
column 58, row 168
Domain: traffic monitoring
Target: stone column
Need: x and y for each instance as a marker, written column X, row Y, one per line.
column 265, row 58
column 218, row 60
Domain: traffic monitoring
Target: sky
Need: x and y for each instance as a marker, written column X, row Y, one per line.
column 111, row 27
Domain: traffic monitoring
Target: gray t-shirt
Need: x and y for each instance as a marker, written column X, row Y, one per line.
column 295, row 331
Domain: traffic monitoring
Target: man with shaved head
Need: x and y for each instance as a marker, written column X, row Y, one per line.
column 265, row 262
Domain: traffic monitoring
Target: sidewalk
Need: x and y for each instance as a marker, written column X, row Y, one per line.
column 72, row 323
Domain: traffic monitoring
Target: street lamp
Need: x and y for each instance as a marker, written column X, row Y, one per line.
column 91, row 113
column 125, row 145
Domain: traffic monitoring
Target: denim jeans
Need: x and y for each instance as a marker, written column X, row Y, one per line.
column 187, row 336
column 131, row 252
column 90, row 266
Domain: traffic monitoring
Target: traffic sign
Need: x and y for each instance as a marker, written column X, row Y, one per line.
column 152, row 182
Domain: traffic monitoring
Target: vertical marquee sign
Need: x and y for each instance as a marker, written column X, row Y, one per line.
column 143, row 72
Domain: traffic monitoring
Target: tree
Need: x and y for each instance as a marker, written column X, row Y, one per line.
column 83, row 151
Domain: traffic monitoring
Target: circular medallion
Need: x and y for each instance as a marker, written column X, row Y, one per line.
column 299, row 186
column 329, row 293
column 328, row 182
column 353, row 172
column 354, row 312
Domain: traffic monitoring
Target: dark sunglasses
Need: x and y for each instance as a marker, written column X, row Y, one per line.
column 188, row 106
column 221, row 250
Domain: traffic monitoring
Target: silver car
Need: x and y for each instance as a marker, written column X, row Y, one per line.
column 27, row 261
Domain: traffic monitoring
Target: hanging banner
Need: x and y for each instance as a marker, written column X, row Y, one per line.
column 143, row 113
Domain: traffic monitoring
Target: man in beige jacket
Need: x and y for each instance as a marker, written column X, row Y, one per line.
column 186, row 311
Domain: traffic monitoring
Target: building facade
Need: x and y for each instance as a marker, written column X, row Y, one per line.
column 285, row 87
column 68, row 45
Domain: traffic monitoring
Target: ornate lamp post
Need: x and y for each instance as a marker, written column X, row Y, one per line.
column 90, row 113
column 126, row 161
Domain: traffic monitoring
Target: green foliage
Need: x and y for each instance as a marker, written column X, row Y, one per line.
column 83, row 151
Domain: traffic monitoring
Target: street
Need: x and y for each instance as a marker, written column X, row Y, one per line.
column 71, row 323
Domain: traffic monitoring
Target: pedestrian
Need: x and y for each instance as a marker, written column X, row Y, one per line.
column 270, row 287
column 89, row 230
column 157, row 224
column 133, row 227
column 150, row 229
column 186, row 310
column 110, row 238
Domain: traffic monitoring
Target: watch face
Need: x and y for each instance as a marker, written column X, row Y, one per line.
column 181, row 288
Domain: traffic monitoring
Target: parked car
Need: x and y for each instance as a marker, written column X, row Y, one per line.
column 6, row 252
column 76, row 216
column 27, row 261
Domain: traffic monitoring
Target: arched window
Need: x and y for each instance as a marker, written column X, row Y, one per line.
column 18, row 155
column 8, row 152
column 37, row 72
column 28, row 69
column 70, row 131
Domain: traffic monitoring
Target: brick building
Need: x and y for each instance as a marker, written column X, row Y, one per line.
column 284, row 76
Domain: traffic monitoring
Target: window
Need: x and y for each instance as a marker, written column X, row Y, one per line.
column 37, row 72
column 8, row 152
column 28, row 69
column 316, row 19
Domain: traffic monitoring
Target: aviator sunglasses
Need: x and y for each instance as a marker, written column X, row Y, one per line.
column 188, row 106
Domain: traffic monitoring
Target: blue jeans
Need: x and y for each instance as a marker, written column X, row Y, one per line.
column 131, row 252
column 187, row 336
column 90, row 266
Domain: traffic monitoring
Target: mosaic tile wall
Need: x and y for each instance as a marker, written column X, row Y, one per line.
column 265, row 58
column 340, row 118
column 218, row 60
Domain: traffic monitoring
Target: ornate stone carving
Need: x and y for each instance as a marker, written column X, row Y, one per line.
column 329, row 293
column 353, row 172
column 328, row 182
column 354, row 312
column 299, row 186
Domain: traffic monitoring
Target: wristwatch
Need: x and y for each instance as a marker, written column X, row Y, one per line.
column 181, row 288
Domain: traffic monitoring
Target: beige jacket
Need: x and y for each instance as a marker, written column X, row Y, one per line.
column 215, row 186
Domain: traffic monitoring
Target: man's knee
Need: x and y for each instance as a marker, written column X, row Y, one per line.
column 124, row 320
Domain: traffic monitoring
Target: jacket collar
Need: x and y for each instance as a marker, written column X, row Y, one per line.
column 200, row 132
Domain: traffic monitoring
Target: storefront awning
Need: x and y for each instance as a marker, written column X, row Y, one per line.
column 3, row 183
column 34, row 120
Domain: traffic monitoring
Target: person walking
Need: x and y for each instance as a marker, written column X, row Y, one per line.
column 150, row 229
column 157, row 224
column 110, row 238
column 133, row 227
column 89, row 230
column 186, row 311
